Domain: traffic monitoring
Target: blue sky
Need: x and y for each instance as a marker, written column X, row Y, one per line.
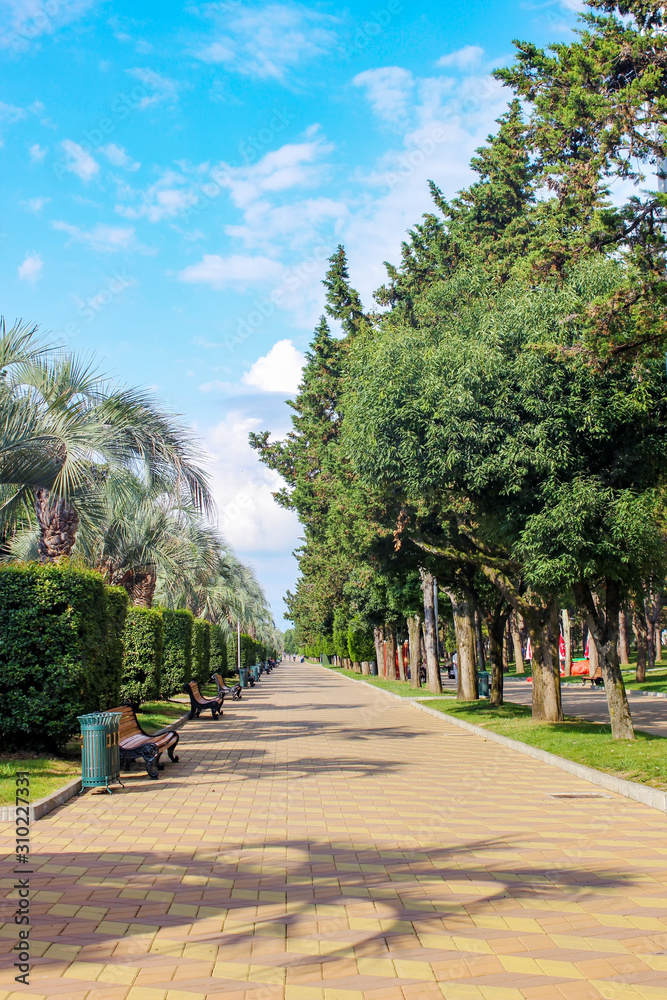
column 175, row 175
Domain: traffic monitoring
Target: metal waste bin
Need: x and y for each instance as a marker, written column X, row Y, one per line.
column 374, row 668
column 100, row 753
column 257, row 671
column 483, row 683
column 243, row 677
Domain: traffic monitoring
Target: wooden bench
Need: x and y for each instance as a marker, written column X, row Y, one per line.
column 596, row 679
column 134, row 743
column 197, row 702
column 223, row 689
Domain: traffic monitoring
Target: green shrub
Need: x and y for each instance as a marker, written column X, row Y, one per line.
column 201, row 651
column 142, row 655
column 59, row 656
column 219, row 657
column 251, row 651
column 177, row 651
column 117, row 607
column 360, row 640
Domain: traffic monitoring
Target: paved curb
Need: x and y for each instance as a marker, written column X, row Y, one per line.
column 652, row 797
column 61, row 795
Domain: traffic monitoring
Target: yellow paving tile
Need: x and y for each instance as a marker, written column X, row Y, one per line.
column 333, row 846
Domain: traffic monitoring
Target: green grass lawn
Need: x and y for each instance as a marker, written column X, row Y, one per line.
column 397, row 687
column 589, row 743
column 48, row 773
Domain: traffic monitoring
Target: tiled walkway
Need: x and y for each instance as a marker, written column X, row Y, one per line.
column 321, row 842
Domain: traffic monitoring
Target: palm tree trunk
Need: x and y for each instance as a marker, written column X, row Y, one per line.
column 58, row 525
column 143, row 589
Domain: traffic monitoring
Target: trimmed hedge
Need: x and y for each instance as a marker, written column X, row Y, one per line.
column 59, row 652
column 201, row 651
column 360, row 640
column 219, row 657
column 251, row 651
column 117, row 608
column 142, row 655
column 177, row 651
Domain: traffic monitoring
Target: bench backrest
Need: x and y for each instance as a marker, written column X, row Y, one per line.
column 218, row 680
column 127, row 724
column 196, row 693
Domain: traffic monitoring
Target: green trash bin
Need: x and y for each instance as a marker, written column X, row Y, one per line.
column 243, row 677
column 100, row 752
column 483, row 676
column 256, row 672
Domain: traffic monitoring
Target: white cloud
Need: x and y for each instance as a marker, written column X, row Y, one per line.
column 466, row 58
column 243, row 489
column 31, row 268
column 37, row 153
column 25, row 21
column 10, row 113
column 78, row 161
column 35, row 204
column 268, row 41
column 118, row 157
column 238, row 270
column 168, row 198
column 103, row 238
column 278, row 371
column 164, row 89
column 292, row 165
column 388, row 89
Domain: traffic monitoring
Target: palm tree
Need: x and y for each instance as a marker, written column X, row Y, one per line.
column 64, row 429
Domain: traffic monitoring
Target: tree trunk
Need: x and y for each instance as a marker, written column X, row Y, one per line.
column 623, row 645
column 639, row 627
column 603, row 625
column 567, row 639
column 652, row 607
column 142, row 589
column 516, row 642
column 479, row 639
column 414, row 634
column 390, row 632
column 495, row 624
column 365, row 668
column 401, row 664
column 58, row 525
column 467, row 684
column 543, row 629
column 378, row 635
column 593, row 659
column 431, row 639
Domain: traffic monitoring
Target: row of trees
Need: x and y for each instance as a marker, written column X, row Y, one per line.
column 103, row 474
column 498, row 421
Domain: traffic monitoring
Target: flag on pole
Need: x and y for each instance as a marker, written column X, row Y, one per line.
column 529, row 650
column 588, row 645
column 561, row 646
